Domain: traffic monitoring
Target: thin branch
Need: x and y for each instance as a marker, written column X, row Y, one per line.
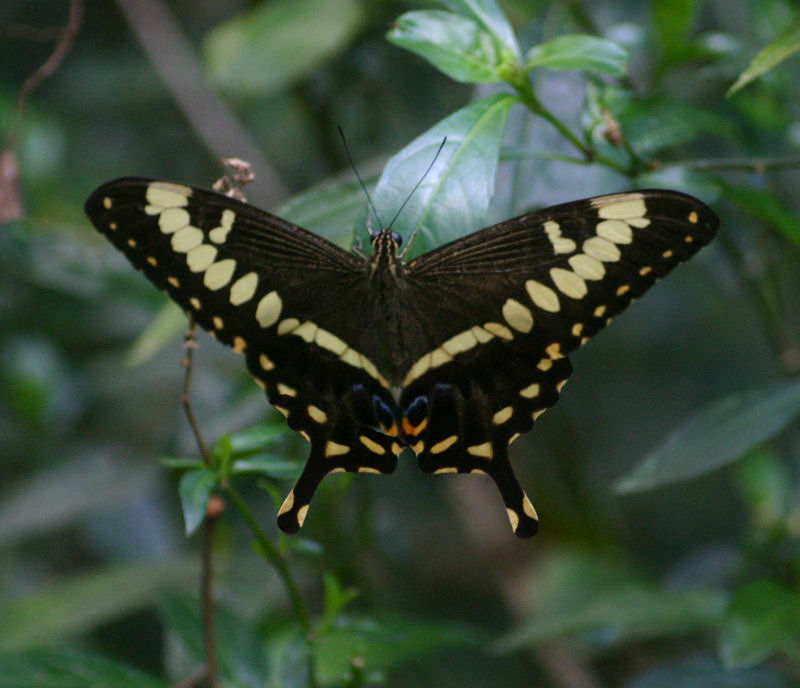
column 207, row 541
column 190, row 344
column 66, row 38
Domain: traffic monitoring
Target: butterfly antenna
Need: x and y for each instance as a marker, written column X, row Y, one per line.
column 358, row 176
column 408, row 198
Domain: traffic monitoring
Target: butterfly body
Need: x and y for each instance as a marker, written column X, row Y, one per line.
column 453, row 354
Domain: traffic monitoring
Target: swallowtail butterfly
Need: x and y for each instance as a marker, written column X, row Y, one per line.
column 453, row 354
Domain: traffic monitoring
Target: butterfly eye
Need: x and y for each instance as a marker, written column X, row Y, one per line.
column 397, row 239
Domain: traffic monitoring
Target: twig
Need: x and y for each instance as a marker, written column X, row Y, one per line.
column 190, row 344
column 207, row 537
column 65, row 40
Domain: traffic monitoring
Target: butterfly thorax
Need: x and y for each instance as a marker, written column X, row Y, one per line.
column 385, row 259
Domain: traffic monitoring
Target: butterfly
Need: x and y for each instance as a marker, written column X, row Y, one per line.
column 453, row 354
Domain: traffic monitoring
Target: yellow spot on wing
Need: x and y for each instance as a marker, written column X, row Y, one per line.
column 265, row 362
column 618, row 231
column 560, row 244
column 239, row 345
column 200, row 258
column 335, row 449
column 587, row 267
column 287, row 390
column 620, row 206
column 288, row 326
column 288, row 503
column 444, row 444
column 499, row 330
column 306, row 331
column 518, row 316
column 269, row 309
column 503, row 415
column 167, row 194
column 602, row 249
column 463, row 341
column 173, row 219
column 243, row 289
column 482, row 450
column 219, row 234
column 301, row 514
column 693, row 217
column 569, row 283
column 219, row 274
column 480, row 334
column 531, row 391
column 543, row 296
column 439, row 357
column 184, row 240
column 371, row 444
column 514, row 518
column 107, row 203
column 317, row 414
column 445, row 469
column 330, row 342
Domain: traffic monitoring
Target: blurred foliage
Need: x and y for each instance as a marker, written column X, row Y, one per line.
column 691, row 578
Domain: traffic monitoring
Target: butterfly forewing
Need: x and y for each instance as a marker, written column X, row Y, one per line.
column 454, row 354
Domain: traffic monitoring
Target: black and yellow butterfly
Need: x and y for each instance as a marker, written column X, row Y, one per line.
column 453, row 354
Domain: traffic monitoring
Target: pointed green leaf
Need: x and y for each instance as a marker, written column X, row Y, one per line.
column 578, row 51
column 453, row 197
column 763, row 618
column 164, row 329
column 275, row 43
column 66, row 668
column 717, row 436
column 489, row 15
column 455, row 45
column 195, row 487
column 783, row 46
column 81, row 603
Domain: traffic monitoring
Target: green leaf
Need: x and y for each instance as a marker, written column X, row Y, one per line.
column 489, row 15
column 633, row 613
column 602, row 599
column 81, row 603
column 336, row 598
column 673, row 21
column 240, row 646
column 63, row 494
column 256, row 437
column 452, row 199
column 195, row 487
column 783, row 46
column 276, row 43
column 272, row 465
column 169, row 324
column 716, row 436
column 764, row 480
column 763, row 618
column 695, row 670
column 578, row 51
column 330, row 209
column 383, row 642
column 766, row 207
column 455, row 45
column 66, row 668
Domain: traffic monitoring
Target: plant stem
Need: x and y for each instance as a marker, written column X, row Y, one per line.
column 275, row 557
